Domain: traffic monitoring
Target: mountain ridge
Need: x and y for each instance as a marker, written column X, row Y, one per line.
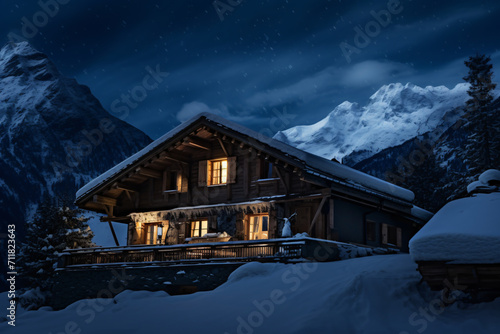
column 54, row 134
column 393, row 114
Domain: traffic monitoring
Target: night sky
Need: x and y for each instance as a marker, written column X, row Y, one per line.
column 255, row 60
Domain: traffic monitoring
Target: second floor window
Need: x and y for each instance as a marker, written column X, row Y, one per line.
column 218, row 172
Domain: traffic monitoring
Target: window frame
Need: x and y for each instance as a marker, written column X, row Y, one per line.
column 199, row 229
column 155, row 233
column 396, row 232
column 217, row 176
column 260, row 223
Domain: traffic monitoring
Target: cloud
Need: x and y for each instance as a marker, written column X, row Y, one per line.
column 305, row 89
column 191, row 109
column 365, row 74
column 373, row 72
column 194, row 108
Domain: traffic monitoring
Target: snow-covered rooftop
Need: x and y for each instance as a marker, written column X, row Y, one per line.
column 465, row 230
column 322, row 165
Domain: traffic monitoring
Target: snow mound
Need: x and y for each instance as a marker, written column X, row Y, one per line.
column 378, row 294
column 466, row 230
column 251, row 270
column 488, row 182
column 490, row 176
column 128, row 295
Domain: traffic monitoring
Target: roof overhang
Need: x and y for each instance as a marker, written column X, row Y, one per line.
column 290, row 157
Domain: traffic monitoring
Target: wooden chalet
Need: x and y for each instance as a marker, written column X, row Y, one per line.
column 211, row 180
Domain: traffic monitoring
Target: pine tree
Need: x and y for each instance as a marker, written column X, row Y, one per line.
column 480, row 118
column 53, row 229
column 495, row 135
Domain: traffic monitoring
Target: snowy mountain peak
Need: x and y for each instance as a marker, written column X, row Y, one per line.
column 22, row 49
column 22, row 60
column 394, row 113
column 51, row 132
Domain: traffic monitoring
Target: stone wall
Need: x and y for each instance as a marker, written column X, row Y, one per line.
column 75, row 284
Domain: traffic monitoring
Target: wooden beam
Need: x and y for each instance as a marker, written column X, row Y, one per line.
column 332, row 214
column 104, row 200
column 196, row 142
column 123, row 219
column 222, row 145
column 173, row 157
column 109, row 210
column 113, row 232
column 313, row 180
column 316, row 216
column 280, row 175
column 156, row 174
column 125, row 186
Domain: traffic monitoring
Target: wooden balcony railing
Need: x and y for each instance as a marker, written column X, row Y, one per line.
column 258, row 250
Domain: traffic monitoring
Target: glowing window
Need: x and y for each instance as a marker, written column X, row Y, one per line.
column 218, row 173
column 199, row 228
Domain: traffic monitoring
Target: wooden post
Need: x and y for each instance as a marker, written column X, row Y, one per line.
column 316, row 216
column 282, row 179
column 113, row 232
column 331, row 220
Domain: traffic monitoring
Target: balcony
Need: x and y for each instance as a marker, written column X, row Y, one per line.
column 271, row 250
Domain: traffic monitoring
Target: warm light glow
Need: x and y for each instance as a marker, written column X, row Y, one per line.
column 219, row 172
column 224, row 171
column 258, row 227
column 199, row 228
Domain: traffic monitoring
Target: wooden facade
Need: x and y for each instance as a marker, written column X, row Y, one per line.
column 209, row 180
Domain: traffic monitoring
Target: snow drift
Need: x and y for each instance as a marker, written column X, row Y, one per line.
column 377, row 294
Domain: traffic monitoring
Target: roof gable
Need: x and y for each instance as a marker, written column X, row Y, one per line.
column 310, row 163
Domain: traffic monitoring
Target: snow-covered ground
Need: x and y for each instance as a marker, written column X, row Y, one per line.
column 375, row 294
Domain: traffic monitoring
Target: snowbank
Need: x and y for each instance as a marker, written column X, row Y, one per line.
column 465, row 230
column 378, row 294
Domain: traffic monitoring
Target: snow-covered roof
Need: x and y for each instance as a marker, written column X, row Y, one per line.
column 487, row 182
column 466, row 230
column 312, row 162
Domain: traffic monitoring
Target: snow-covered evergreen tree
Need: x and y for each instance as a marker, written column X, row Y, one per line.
column 481, row 118
column 53, row 229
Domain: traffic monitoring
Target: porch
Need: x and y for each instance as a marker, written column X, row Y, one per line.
column 272, row 250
